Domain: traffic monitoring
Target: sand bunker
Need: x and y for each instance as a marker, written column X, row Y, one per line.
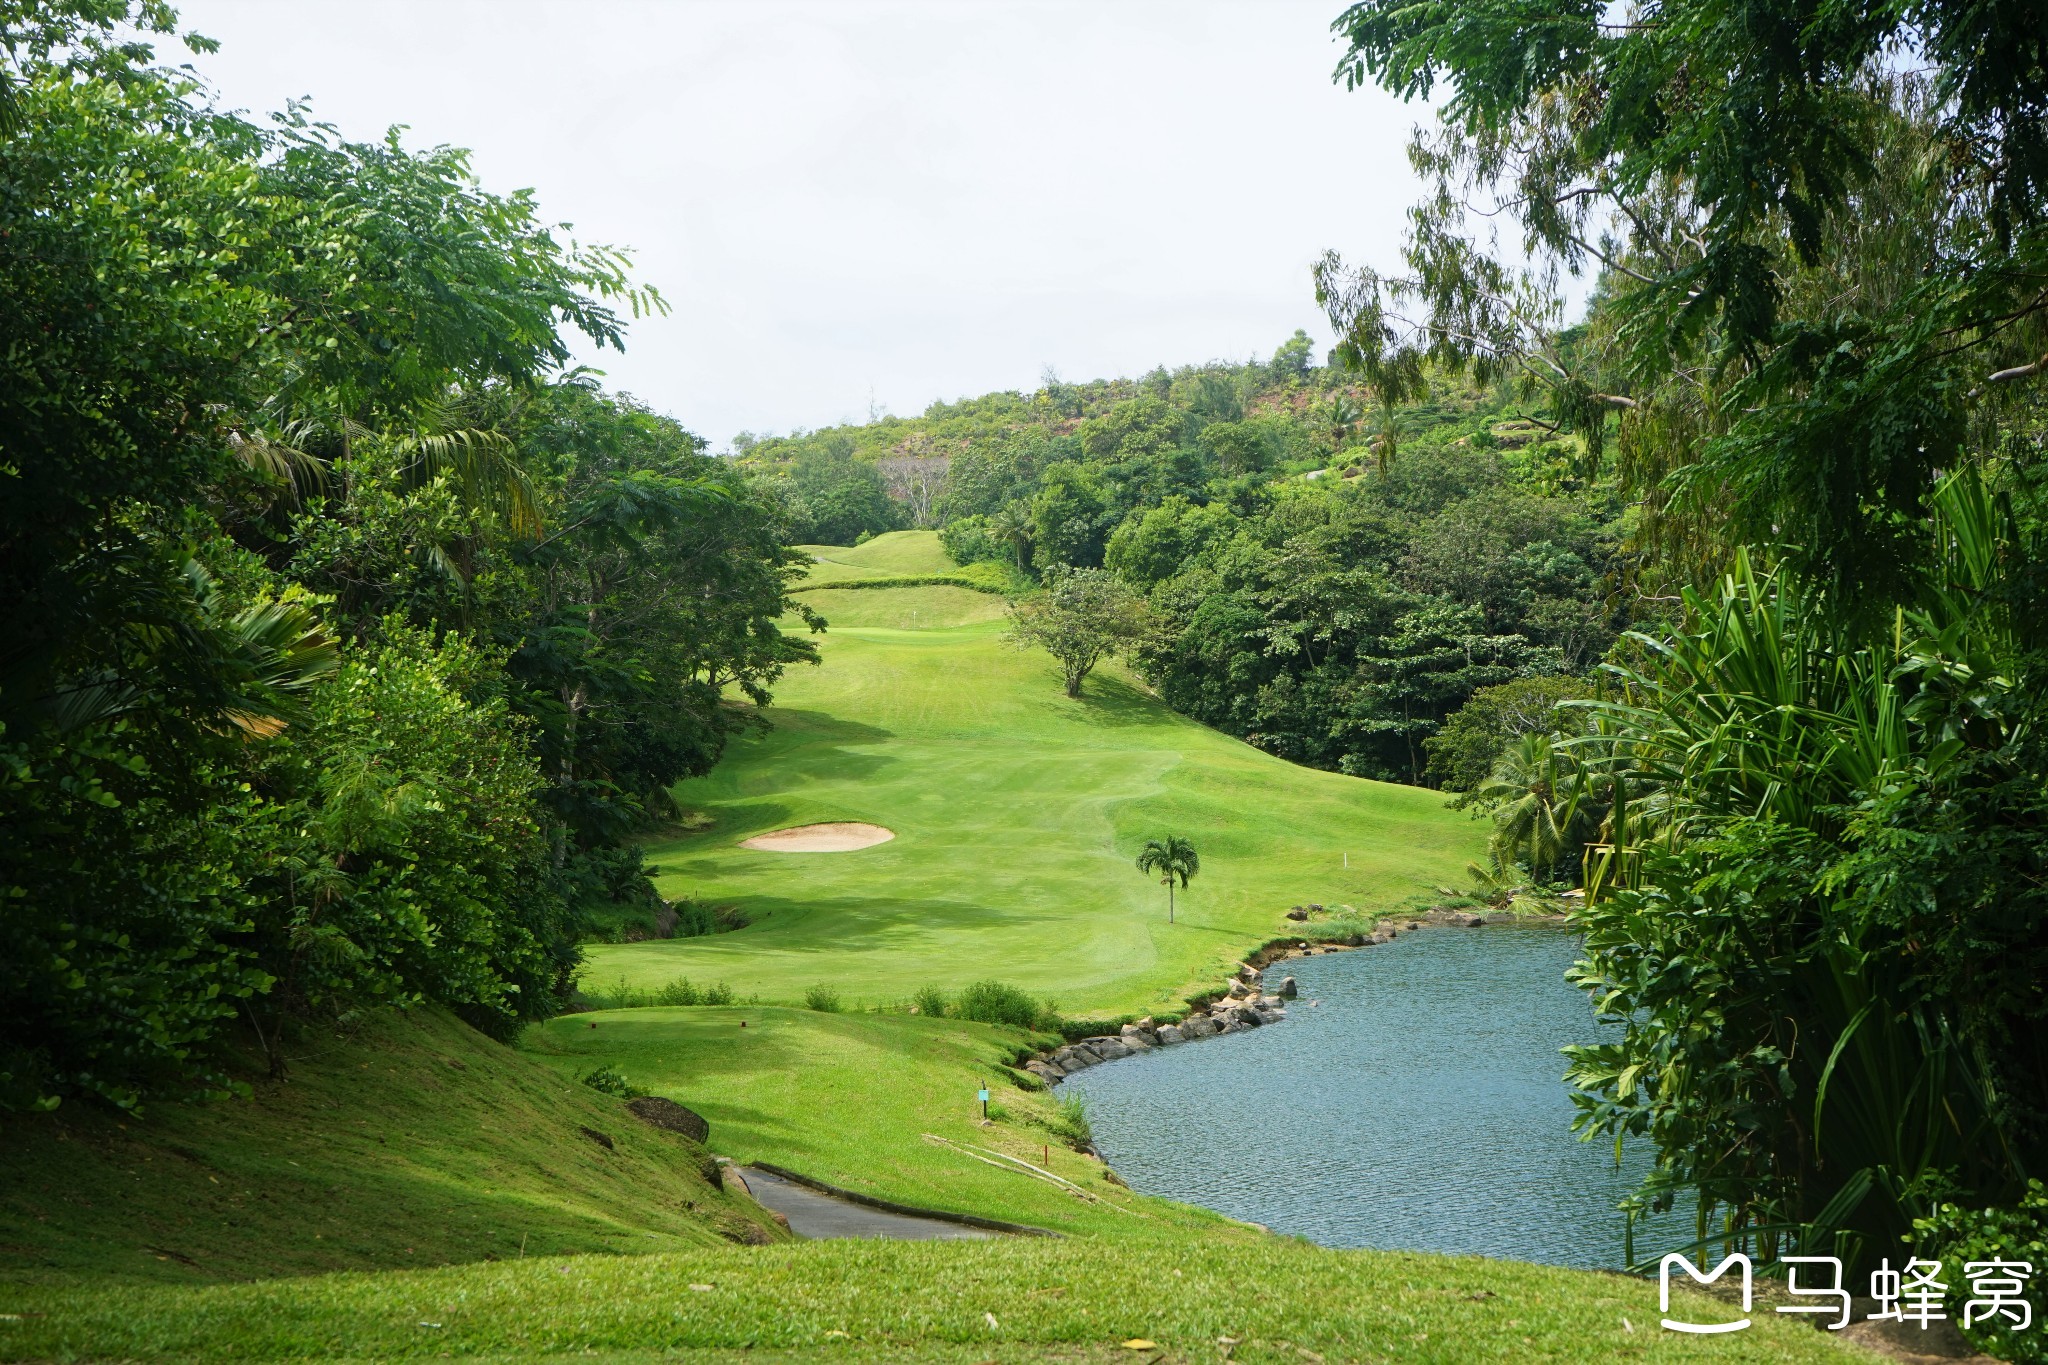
column 834, row 838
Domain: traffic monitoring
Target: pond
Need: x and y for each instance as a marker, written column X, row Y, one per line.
column 1416, row 1105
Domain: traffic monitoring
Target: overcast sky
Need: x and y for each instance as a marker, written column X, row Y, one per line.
column 852, row 203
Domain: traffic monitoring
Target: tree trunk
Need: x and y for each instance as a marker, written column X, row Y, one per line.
column 573, row 701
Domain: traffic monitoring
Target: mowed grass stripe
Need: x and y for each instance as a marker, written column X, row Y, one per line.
column 1017, row 813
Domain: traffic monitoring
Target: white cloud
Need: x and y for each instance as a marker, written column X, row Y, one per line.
column 913, row 200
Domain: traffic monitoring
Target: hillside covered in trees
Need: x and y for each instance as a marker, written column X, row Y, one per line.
column 352, row 632
column 1328, row 579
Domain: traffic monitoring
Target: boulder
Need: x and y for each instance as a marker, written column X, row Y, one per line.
column 663, row 1113
column 1140, row 1034
column 1288, row 990
column 1109, row 1049
column 1297, row 914
column 1467, row 921
column 1238, row 990
column 1316, row 908
column 1354, row 940
column 1170, row 1035
column 1044, row 1070
column 1198, row 1026
column 1246, row 1015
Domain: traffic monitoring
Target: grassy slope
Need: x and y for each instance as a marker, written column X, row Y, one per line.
column 922, row 608
column 416, row 1142
column 1008, row 1300
column 1017, row 814
column 1018, row 811
column 847, row 1098
column 896, row 552
column 899, row 553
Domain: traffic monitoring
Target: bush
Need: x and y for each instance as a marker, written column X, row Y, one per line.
column 932, row 1003
column 968, row 541
column 995, row 1002
column 609, row 1080
column 1956, row 1236
column 822, row 998
column 1069, row 1123
column 679, row 992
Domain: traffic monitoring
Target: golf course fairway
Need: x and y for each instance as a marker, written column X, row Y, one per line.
column 1017, row 814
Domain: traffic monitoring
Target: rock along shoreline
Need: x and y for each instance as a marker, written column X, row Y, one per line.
column 1245, row 1002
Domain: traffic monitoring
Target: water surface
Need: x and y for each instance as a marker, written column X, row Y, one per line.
column 1417, row 1105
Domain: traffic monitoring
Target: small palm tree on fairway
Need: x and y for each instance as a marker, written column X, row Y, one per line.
column 1174, row 858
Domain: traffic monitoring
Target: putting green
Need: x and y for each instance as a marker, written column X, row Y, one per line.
column 1017, row 814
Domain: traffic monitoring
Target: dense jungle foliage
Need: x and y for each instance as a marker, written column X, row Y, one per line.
column 350, row 632
column 1326, row 583
column 1724, row 601
column 1814, row 798
column 353, row 632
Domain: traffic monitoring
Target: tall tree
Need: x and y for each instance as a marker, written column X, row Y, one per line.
column 1080, row 618
column 1174, row 859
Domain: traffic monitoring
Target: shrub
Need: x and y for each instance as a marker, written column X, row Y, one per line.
column 822, row 998
column 679, row 992
column 1069, row 1123
column 996, row 1002
column 932, row 1003
column 609, row 1080
column 1957, row 1236
column 694, row 919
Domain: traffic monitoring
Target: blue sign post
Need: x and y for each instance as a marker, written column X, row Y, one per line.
column 984, row 1103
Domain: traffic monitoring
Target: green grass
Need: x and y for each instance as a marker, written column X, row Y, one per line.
column 848, row 1099
column 414, row 1142
column 919, row 608
column 1005, row 1300
column 1017, row 814
column 892, row 554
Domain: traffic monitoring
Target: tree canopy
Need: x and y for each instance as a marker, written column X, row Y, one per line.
column 352, row 632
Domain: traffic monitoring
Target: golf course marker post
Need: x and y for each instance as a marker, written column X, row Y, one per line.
column 984, row 1102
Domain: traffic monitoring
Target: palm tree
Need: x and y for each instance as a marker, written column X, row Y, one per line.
column 1543, row 805
column 1173, row 857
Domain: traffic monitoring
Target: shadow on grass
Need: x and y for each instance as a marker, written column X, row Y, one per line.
column 845, row 924
column 1114, row 703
